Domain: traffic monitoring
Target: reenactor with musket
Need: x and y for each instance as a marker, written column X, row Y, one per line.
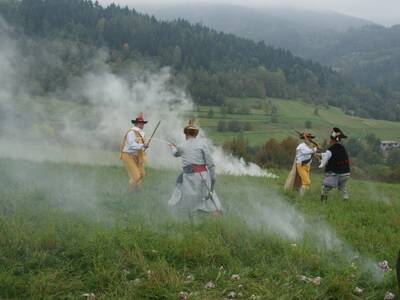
column 299, row 176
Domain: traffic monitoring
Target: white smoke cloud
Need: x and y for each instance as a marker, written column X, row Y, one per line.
column 97, row 112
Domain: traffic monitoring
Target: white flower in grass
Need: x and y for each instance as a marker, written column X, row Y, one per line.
column 235, row 277
column 210, row 285
column 358, row 291
column 384, row 265
column 183, row 295
column 389, row 296
column 231, row 295
column 314, row 280
column 149, row 273
column 89, row 296
column 189, row 278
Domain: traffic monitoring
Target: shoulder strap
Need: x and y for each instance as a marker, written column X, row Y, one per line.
column 138, row 136
column 122, row 145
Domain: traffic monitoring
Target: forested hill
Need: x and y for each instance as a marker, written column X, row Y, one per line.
column 365, row 52
column 370, row 55
column 300, row 31
column 216, row 64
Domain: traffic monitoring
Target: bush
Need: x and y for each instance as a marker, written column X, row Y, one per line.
column 277, row 154
column 234, row 126
column 244, row 109
column 221, row 126
column 247, row 126
column 274, row 119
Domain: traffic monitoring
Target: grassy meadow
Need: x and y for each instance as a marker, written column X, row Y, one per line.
column 291, row 115
column 71, row 229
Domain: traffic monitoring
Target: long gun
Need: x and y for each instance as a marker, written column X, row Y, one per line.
column 154, row 131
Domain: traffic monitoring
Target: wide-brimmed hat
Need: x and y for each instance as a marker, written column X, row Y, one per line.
column 304, row 135
column 139, row 119
column 191, row 129
column 337, row 134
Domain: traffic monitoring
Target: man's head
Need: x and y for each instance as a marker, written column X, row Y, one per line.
column 191, row 131
column 306, row 136
column 337, row 135
column 139, row 121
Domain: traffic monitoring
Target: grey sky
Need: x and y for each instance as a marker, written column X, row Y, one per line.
column 386, row 12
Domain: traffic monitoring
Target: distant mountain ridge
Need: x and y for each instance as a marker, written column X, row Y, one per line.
column 297, row 30
column 366, row 52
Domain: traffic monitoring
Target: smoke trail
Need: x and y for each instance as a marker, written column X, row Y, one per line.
column 98, row 109
column 265, row 209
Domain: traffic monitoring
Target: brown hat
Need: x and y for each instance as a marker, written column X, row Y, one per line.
column 139, row 119
column 191, row 129
column 304, row 135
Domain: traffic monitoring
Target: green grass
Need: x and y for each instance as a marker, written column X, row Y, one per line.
column 70, row 229
column 292, row 115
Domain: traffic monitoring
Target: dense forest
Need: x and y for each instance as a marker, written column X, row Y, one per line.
column 365, row 52
column 215, row 64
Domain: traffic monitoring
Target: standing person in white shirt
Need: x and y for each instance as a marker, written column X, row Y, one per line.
column 132, row 152
column 304, row 155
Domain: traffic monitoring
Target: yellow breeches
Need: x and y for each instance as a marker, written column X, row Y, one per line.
column 304, row 173
column 134, row 164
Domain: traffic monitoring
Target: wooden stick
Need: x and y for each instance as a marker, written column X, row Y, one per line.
column 154, row 131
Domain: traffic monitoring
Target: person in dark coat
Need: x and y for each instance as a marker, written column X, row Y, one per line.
column 337, row 166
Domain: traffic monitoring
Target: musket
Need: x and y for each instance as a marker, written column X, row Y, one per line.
column 154, row 131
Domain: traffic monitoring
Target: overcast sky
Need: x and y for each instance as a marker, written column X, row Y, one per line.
column 386, row 12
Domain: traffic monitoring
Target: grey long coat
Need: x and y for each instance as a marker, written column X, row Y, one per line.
column 192, row 190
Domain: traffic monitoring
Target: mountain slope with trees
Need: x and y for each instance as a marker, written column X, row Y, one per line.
column 300, row 31
column 215, row 64
column 365, row 52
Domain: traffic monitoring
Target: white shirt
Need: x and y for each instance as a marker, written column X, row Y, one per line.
column 326, row 156
column 131, row 145
column 304, row 152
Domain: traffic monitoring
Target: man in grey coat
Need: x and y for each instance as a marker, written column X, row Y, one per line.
column 195, row 185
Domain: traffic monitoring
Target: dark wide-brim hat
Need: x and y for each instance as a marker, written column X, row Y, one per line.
column 306, row 135
column 337, row 133
column 139, row 119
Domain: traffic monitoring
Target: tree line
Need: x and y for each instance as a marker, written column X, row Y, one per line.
column 216, row 65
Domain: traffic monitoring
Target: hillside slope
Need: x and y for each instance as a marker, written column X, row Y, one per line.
column 291, row 116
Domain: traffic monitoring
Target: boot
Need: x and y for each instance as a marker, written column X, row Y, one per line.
column 324, row 198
